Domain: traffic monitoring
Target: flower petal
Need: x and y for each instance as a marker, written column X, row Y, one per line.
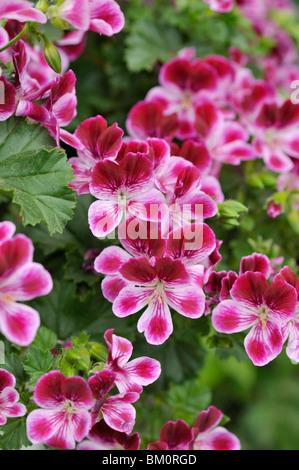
column 18, row 323
column 232, row 317
column 156, row 323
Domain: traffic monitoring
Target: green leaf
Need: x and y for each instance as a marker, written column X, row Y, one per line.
column 14, row 435
column 149, row 43
column 37, row 176
column 37, row 363
column 189, row 399
column 45, row 339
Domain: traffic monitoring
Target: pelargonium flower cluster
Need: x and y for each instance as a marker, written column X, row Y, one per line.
column 206, row 434
column 257, row 301
column 72, row 408
column 218, row 103
column 158, row 273
column 21, row 279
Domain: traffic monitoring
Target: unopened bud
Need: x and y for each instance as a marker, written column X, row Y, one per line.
column 42, row 5
column 99, row 352
column 52, row 55
column 67, row 370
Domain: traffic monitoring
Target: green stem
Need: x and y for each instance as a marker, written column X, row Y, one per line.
column 16, row 38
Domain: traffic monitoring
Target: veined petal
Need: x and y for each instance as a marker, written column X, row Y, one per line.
column 47, row 392
column 256, row 262
column 138, row 271
column 120, row 349
column 281, row 298
column 143, row 371
column 104, row 217
column 77, row 391
column 110, row 260
column 156, row 323
column 111, row 287
column 6, row 379
column 208, row 419
column 187, row 301
column 263, row 343
column 29, row 281
column 7, row 229
column 18, row 323
column 249, row 289
column 106, row 17
column 292, row 349
column 130, row 300
column 232, row 317
column 118, row 412
column 14, row 253
column 217, row 439
column 191, row 244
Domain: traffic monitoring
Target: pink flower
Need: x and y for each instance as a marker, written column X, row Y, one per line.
column 222, row 6
column 290, row 329
column 137, row 238
column 122, row 188
column 20, row 280
column 20, row 10
column 273, row 209
column 173, row 436
column 106, row 17
column 63, row 417
column 157, row 285
column 102, row 437
column 182, row 83
column 209, row 436
column 116, row 410
column 261, row 307
column 98, row 142
column 9, row 398
column 276, row 131
column 103, row 16
column 227, row 141
column 147, row 119
column 192, row 245
column 129, row 375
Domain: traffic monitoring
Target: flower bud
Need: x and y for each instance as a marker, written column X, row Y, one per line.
column 42, row 5
column 99, row 352
column 52, row 55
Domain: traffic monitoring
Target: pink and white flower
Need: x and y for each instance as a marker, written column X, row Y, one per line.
column 137, row 240
column 222, row 6
column 129, row 375
column 290, row 329
column 227, row 141
column 182, row 84
column 148, row 119
column 21, row 10
column 21, row 279
column 261, row 307
column 63, row 417
column 276, row 131
column 122, row 189
column 98, row 142
column 106, row 17
column 157, row 285
column 102, row 437
column 209, row 436
column 116, row 410
column 9, row 398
